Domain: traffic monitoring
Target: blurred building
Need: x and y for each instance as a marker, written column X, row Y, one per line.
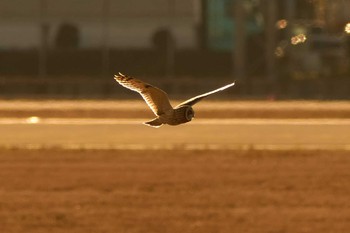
column 129, row 24
column 239, row 39
column 133, row 23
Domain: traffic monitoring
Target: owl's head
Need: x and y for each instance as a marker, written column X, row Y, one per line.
column 189, row 113
column 183, row 113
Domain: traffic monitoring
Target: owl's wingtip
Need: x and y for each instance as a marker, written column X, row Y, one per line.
column 118, row 75
column 229, row 85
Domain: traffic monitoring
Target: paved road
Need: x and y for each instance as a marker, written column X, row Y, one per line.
column 199, row 134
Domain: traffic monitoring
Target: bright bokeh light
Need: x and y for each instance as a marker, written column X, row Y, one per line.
column 279, row 52
column 282, row 24
column 301, row 38
column 347, row 28
column 33, row 120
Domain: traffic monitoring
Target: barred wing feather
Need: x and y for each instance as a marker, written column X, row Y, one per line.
column 155, row 98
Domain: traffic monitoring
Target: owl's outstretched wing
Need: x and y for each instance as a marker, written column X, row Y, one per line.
column 156, row 99
column 196, row 99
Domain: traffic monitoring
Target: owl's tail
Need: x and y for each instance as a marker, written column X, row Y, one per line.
column 154, row 123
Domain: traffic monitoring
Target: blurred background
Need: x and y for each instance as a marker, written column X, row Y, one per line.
column 75, row 157
column 275, row 49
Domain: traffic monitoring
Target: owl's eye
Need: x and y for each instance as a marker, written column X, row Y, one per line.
column 189, row 114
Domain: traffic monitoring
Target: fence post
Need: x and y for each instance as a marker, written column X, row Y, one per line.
column 105, row 37
column 270, row 35
column 170, row 48
column 239, row 42
column 44, row 31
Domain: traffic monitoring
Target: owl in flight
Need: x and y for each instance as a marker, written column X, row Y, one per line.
column 159, row 103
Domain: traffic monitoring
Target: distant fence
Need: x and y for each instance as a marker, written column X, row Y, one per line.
column 104, row 87
column 88, row 62
column 101, row 87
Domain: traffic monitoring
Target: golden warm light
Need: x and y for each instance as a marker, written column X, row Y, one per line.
column 33, row 120
column 347, row 28
column 301, row 38
column 282, row 24
column 279, row 52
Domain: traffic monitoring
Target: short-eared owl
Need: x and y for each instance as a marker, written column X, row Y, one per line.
column 158, row 101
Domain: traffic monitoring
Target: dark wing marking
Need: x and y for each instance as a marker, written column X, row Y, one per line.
column 196, row 99
column 156, row 99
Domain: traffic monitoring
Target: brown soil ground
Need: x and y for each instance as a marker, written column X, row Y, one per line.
column 174, row 191
column 205, row 109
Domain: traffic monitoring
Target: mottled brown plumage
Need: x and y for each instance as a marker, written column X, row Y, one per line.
column 159, row 102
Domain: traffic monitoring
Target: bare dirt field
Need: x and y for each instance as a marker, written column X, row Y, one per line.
column 174, row 191
column 177, row 189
